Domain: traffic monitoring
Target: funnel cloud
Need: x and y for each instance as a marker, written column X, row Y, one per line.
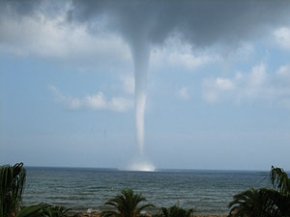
column 141, row 61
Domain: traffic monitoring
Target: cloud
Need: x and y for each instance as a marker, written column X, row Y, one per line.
column 213, row 88
column 183, row 94
column 97, row 101
column 198, row 23
column 176, row 53
column 42, row 35
column 258, row 85
column 284, row 72
column 224, row 84
column 282, row 36
column 103, row 32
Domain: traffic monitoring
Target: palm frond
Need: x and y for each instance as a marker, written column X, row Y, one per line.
column 255, row 203
column 55, row 211
column 32, row 211
column 125, row 204
column 12, row 179
column 280, row 180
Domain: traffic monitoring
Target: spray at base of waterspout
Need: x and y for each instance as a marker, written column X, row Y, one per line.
column 142, row 166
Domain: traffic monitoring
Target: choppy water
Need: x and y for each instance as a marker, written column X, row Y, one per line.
column 208, row 192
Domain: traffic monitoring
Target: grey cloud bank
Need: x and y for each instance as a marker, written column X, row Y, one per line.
column 201, row 23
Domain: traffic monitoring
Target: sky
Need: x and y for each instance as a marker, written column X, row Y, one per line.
column 170, row 84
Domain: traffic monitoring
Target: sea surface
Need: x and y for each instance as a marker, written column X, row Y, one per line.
column 208, row 192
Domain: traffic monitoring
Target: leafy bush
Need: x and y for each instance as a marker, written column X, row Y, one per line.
column 175, row 211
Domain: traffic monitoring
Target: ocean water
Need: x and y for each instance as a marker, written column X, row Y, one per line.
column 208, row 192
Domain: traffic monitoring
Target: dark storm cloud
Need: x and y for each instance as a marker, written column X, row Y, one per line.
column 19, row 8
column 199, row 22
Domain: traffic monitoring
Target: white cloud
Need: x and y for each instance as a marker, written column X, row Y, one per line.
column 54, row 37
column 176, row 53
column 224, row 84
column 282, row 36
column 284, row 71
column 213, row 88
column 256, row 85
column 258, row 76
column 120, row 104
column 183, row 94
column 97, row 101
column 187, row 60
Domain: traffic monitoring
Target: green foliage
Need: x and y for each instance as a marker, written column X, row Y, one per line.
column 12, row 180
column 280, row 180
column 253, row 202
column 175, row 211
column 264, row 202
column 126, row 204
column 55, row 211
column 33, row 211
column 43, row 210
